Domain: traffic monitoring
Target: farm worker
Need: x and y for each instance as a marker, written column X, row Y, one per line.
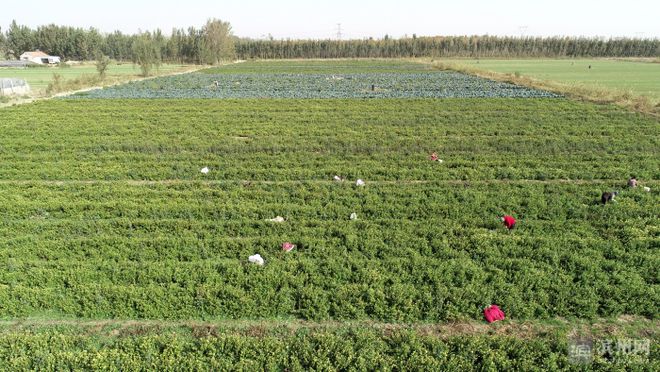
column 434, row 157
column 608, row 196
column 493, row 313
column 508, row 221
column 632, row 182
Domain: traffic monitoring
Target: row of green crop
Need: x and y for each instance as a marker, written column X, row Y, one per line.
column 407, row 148
column 186, row 240
column 73, row 348
column 549, row 200
column 341, row 286
column 123, row 166
column 402, row 84
column 346, row 66
column 147, row 241
column 235, row 210
column 417, row 251
column 391, row 118
column 284, row 140
column 169, row 125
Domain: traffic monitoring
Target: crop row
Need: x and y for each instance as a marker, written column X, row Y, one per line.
column 327, row 201
column 417, row 252
column 338, row 287
column 320, row 67
column 302, row 140
column 73, row 348
column 438, row 84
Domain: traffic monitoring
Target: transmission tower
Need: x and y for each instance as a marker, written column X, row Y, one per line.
column 338, row 31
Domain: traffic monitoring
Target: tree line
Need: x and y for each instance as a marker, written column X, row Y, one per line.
column 206, row 45
column 449, row 46
column 215, row 41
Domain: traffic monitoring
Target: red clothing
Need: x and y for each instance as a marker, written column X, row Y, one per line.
column 509, row 222
column 493, row 313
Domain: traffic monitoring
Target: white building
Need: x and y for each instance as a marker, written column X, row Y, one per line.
column 40, row 58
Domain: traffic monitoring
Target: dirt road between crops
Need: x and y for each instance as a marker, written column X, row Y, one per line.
column 623, row 326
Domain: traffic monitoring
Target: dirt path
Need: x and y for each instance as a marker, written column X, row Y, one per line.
column 623, row 326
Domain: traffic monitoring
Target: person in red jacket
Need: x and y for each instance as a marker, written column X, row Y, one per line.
column 493, row 313
column 508, row 221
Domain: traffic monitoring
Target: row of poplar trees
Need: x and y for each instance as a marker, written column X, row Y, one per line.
column 450, row 46
column 215, row 42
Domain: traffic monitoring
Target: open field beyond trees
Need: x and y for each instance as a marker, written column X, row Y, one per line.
column 120, row 254
column 639, row 77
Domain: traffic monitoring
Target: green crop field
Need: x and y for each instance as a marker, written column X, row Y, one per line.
column 336, row 67
column 120, row 254
column 638, row 77
column 40, row 77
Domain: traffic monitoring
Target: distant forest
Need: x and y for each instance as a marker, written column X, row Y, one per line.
column 449, row 46
column 215, row 41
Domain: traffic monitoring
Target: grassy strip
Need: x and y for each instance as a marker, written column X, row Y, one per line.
column 620, row 97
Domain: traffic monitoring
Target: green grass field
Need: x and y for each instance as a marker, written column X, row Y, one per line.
column 40, row 77
column 639, row 77
column 120, row 254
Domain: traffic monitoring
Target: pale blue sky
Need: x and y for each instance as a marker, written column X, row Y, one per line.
column 359, row 19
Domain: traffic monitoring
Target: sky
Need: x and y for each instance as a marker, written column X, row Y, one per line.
column 319, row 19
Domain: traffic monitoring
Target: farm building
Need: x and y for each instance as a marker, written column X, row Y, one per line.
column 9, row 87
column 39, row 57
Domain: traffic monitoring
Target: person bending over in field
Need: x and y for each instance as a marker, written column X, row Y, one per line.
column 608, row 197
column 508, row 221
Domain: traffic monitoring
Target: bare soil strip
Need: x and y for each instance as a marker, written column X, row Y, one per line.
column 623, row 326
